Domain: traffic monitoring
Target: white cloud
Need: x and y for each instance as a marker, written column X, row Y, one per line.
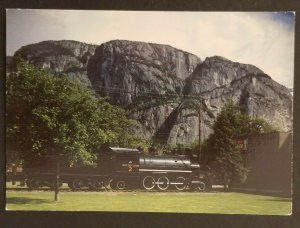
column 254, row 38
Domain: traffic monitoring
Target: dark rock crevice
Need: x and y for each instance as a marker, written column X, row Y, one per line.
column 163, row 133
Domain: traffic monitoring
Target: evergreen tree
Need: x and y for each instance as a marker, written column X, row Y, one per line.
column 221, row 149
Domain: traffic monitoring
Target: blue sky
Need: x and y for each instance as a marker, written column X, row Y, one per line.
column 264, row 39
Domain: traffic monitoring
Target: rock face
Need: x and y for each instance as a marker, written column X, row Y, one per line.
column 60, row 57
column 138, row 67
column 127, row 70
column 220, row 80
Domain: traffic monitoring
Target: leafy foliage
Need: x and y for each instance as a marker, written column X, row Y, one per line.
column 49, row 116
column 221, row 149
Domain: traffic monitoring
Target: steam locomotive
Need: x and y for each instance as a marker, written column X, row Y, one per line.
column 124, row 168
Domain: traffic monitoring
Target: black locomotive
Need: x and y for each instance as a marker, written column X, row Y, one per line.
column 123, row 168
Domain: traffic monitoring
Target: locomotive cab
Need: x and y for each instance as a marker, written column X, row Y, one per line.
column 122, row 164
column 119, row 160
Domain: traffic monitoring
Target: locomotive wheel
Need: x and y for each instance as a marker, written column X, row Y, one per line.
column 77, row 184
column 121, row 185
column 200, row 186
column 70, row 185
column 163, row 183
column 52, row 184
column 34, row 183
column 97, row 185
column 180, row 183
column 113, row 185
column 148, row 183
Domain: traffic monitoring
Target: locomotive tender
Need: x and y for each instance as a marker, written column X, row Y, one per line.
column 124, row 168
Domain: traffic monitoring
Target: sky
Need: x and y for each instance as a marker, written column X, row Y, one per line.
column 264, row 39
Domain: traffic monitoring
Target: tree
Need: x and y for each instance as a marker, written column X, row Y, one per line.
column 221, row 148
column 51, row 116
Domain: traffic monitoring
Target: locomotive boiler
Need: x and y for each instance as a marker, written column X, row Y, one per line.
column 131, row 168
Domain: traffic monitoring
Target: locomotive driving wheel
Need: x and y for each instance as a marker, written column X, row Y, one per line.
column 200, row 186
column 148, row 182
column 180, row 183
column 121, row 185
column 163, row 183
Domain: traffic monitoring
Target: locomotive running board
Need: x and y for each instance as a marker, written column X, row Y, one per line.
column 196, row 182
column 165, row 171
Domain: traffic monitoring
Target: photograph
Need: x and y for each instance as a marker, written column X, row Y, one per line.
column 149, row 111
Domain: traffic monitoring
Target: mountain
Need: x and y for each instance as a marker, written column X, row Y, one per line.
column 126, row 70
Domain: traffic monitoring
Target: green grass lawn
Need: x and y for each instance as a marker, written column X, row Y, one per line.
column 193, row 202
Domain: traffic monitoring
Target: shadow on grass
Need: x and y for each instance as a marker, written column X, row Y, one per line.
column 17, row 189
column 280, row 195
column 23, row 200
column 280, row 199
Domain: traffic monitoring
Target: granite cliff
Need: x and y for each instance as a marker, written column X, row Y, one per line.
column 60, row 57
column 124, row 70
